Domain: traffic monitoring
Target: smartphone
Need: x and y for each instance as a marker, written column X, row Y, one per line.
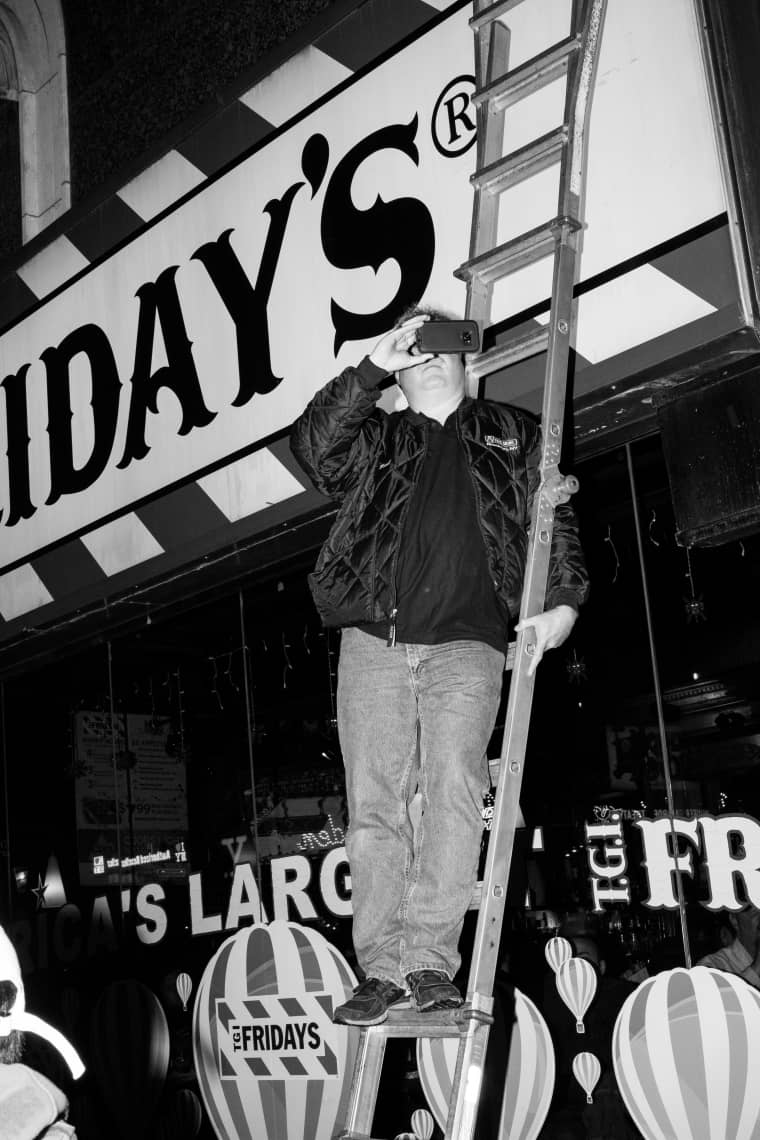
column 448, row 336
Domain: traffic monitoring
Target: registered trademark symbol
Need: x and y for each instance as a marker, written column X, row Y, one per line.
column 453, row 124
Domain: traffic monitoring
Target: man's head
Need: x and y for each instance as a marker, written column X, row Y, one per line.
column 746, row 925
column 437, row 380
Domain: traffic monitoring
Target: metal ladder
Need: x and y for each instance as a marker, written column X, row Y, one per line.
column 497, row 89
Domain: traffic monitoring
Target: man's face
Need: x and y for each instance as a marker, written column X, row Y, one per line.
column 439, row 378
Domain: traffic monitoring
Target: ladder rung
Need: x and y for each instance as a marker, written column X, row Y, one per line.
column 491, row 13
column 522, row 163
column 515, row 254
column 522, row 81
column 510, row 256
column 503, row 356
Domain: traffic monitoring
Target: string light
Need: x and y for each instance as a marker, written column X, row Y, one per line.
column 288, row 665
column 228, row 674
column 694, row 605
column 652, row 521
column 614, row 551
column 214, row 682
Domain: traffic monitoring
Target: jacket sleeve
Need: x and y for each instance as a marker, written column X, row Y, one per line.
column 340, row 425
column 568, row 579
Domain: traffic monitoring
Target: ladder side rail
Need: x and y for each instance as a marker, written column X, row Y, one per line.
column 471, row 1055
column 580, row 87
column 491, row 56
column 364, row 1085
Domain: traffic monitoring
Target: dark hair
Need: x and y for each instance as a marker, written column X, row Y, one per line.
column 427, row 310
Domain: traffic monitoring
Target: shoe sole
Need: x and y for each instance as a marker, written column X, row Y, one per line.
column 361, row 1022
column 434, row 1006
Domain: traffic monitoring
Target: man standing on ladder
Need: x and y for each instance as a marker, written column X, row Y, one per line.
column 423, row 569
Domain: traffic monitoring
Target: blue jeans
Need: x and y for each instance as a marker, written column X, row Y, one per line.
column 409, row 716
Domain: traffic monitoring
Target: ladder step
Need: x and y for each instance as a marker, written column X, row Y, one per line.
column 522, row 163
column 502, row 356
column 530, row 76
column 439, row 1023
column 491, row 13
column 510, row 256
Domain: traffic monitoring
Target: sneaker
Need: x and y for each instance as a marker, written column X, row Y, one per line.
column 369, row 1003
column 432, row 989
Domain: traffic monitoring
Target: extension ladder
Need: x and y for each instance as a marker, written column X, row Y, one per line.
column 497, row 89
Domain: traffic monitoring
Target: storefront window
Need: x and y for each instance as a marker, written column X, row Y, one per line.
column 170, row 785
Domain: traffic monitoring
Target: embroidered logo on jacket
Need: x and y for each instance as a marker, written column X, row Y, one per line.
column 504, row 444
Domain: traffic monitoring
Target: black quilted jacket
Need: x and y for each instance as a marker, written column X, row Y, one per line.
column 370, row 461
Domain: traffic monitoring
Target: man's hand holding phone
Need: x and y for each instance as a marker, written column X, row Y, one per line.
column 397, row 350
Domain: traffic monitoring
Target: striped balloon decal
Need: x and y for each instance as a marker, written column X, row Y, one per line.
column 587, row 1071
column 130, row 1038
column 576, row 982
column 684, row 1051
column 205, row 1043
column 529, row 1081
column 266, row 975
column 557, row 951
column 530, row 1077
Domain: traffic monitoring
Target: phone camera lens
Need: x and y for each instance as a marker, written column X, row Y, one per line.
column 466, row 337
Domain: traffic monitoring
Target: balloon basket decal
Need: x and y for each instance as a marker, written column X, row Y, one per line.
column 580, row 1027
column 270, row 1061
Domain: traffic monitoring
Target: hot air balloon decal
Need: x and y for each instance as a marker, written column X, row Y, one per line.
column 130, row 1054
column 576, row 984
column 182, row 1118
column 587, row 1071
column 422, row 1124
column 557, row 951
column 529, row 1080
column 684, row 1052
column 184, row 985
column 271, row 1063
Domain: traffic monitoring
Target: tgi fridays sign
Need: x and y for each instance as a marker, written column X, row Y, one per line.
column 727, row 845
column 206, row 334
column 212, row 328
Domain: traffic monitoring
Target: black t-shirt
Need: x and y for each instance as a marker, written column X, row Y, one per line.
column 444, row 590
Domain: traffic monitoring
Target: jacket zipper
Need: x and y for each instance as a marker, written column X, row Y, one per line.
column 391, row 641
